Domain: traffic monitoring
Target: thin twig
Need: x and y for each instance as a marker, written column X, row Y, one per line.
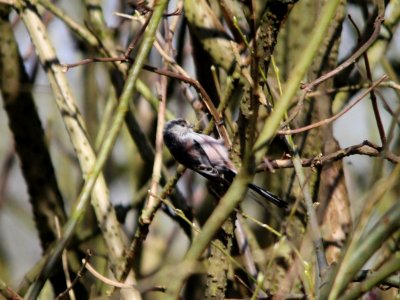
column 78, row 276
column 338, row 115
column 64, row 260
column 135, row 41
column 243, row 283
column 259, row 223
column 153, row 203
column 117, row 284
column 372, row 93
column 296, row 110
column 352, row 59
column 365, row 148
column 348, row 88
column 206, row 98
column 313, row 225
column 181, row 215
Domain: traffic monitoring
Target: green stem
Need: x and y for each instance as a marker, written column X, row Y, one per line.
column 376, row 278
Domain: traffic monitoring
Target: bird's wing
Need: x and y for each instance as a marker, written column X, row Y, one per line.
column 205, row 165
column 214, row 151
column 214, row 160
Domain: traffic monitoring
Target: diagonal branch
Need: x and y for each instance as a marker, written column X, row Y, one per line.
column 335, row 117
column 377, row 26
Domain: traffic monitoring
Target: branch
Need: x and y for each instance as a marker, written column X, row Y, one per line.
column 205, row 97
column 372, row 94
column 365, row 148
column 297, row 74
column 94, row 166
column 333, row 118
column 352, row 59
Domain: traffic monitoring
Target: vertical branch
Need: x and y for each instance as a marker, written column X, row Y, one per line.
column 255, row 92
column 153, row 202
column 75, row 126
column 30, row 142
column 79, row 139
column 217, row 271
column 374, row 103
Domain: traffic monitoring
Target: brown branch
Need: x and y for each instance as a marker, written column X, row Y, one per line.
column 228, row 16
column 296, row 110
column 307, row 95
column 354, row 87
column 386, row 106
column 372, row 93
column 91, row 60
column 8, row 293
column 205, row 97
column 352, row 59
column 78, row 276
column 134, row 42
column 365, row 148
column 118, row 284
column 338, row 115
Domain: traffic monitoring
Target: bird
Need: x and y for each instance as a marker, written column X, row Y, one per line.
column 207, row 156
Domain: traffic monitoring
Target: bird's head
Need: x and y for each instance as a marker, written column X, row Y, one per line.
column 178, row 127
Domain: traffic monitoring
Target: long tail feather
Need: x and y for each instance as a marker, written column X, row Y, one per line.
column 269, row 196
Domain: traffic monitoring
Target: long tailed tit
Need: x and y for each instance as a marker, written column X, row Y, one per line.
column 206, row 156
